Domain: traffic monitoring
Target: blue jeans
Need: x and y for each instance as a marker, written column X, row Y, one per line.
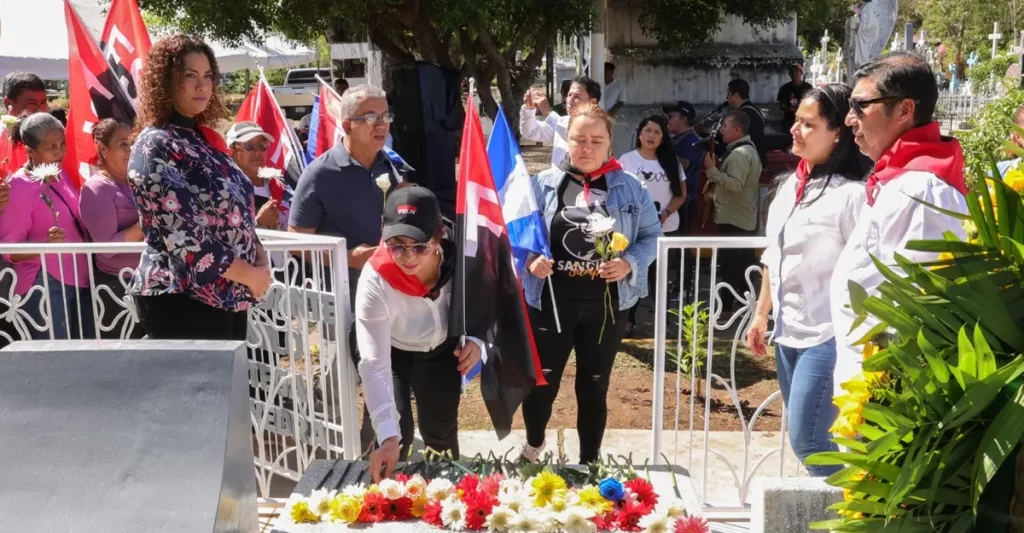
column 805, row 377
column 63, row 298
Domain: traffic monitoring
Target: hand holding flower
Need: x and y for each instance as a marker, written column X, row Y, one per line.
column 614, row 270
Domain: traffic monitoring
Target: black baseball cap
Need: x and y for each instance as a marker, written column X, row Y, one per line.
column 684, row 108
column 411, row 212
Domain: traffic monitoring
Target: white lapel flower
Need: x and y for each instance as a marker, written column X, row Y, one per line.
column 45, row 173
column 384, row 182
column 268, row 173
column 599, row 225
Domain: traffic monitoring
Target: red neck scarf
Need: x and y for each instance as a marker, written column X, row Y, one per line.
column 385, row 265
column 610, row 165
column 214, row 139
column 921, row 149
column 803, row 174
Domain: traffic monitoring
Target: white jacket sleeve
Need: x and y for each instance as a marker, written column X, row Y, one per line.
column 532, row 130
column 373, row 336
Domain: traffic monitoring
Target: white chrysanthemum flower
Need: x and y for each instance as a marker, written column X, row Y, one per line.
column 510, row 486
column 357, row 491
column 453, row 514
column 530, row 520
column 502, row 519
column 516, row 501
column 439, row 489
column 599, row 225
column 673, row 507
column 655, row 522
column 415, row 487
column 577, row 520
column 268, row 173
column 45, row 173
column 384, row 182
column 320, row 501
column 391, row 489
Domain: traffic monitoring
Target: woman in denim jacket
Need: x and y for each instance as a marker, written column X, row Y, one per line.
column 589, row 182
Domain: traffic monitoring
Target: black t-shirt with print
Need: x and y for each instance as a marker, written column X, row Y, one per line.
column 576, row 274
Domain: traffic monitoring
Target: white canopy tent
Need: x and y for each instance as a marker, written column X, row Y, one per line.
column 33, row 37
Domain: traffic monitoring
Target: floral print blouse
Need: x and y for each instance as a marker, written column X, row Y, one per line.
column 196, row 210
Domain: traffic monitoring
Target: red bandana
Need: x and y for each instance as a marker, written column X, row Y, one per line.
column 803, row 173
column 214, row 139
column 922, row 149
column 610, row 165
column 385, row 265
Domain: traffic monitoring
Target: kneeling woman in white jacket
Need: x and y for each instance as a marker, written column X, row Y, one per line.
column 402, row 328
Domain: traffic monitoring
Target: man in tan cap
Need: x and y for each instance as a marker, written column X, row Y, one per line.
column 249, row 145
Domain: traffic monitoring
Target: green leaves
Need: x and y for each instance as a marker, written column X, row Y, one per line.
column 1002, row 438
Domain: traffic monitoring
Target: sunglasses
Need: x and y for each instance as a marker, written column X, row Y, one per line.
column 252, row 147
column 399, row 250
column 858, row 105
column 372, row 118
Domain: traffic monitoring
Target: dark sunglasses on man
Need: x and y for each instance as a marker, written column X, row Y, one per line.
column 255, row 147
column 858, row 105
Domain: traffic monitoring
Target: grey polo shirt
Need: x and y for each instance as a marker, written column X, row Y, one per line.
column 339, row 197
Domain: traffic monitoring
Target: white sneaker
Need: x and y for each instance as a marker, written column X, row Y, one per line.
column 532, row 454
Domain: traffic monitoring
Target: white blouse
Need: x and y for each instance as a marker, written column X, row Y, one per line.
column 883, row 231
column 804, row 244
column 386, row 317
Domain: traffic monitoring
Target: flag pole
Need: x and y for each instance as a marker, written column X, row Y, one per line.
column 554, row 306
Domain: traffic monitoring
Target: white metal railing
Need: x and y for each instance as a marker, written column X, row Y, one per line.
column 302, row 380
column 953, row 111
column 714, row 465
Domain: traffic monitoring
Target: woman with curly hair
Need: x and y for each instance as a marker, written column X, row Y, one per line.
column 204, row 265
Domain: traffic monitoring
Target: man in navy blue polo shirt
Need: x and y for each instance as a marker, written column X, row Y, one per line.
column 686, row 143
column 338, row 195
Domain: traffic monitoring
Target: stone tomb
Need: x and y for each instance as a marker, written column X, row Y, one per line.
column 126, row 436
column 338, row 474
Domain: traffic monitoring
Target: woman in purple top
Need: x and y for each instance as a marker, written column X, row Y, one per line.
column 44, row 208
column 203, row 266
column 109, row 214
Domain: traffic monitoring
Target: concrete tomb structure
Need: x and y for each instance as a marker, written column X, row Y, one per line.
column 140, row 436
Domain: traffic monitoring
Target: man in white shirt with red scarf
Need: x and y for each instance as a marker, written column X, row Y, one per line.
column 891, row 112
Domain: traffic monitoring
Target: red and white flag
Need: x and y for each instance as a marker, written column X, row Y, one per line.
column 94, row 94
column 285, row 152
column 328, row 116
column 496, row 310
column 125, row 44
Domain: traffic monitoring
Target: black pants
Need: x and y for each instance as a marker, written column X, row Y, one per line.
column 435, row 381
column 403, row 402
column 176, row 316
column 581, row 328
column 652, row 285
column 112, row 308
column 734, row 263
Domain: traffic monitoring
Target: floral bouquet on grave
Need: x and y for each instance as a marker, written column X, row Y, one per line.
column 609, row 244
column 542, row 502
column 934, row 423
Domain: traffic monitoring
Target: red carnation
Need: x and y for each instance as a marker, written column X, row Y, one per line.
column 398, row 510
column 629, row 514
column 433, row 514
column 644, row 491
column 374, row 508
column 402, row 478
column 491, row 484
column 478, row 507
column 468, row 484
column 692, row 524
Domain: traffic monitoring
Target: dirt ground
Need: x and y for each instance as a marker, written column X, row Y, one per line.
column 630, row 396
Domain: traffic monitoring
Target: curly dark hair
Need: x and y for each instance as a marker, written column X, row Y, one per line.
column 164, row 68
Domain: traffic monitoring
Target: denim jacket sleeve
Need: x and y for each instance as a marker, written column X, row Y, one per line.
column 641, row 252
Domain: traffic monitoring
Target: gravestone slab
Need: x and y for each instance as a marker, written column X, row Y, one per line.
column 104, row 436
column 337, row 474
column 788, row 505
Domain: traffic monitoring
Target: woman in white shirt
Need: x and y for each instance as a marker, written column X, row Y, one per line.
column 402, row 328
column 654, row 162
column 809, row 222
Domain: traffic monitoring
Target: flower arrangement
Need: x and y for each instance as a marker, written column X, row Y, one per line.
column 544, row 502
column 933, row 423
column 609, row 245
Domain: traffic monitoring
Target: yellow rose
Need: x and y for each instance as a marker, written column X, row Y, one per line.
column 619, row 242
column 419, row 508
column 345, row 509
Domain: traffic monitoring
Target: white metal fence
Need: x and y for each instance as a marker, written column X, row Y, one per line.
column 954, row 111
column 301, row 377
column 700, row 275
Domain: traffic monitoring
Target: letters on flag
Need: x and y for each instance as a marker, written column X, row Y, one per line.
column 94, row 94
column 125, row 44
column 496, row 312
column 285, row 153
